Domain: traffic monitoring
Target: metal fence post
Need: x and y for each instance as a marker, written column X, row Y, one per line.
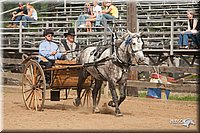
column 170, row 59
column 20, row 37
column 65, row 3
column 138, row 24
column 172, row 37
column 105, row 30
column 47, row 24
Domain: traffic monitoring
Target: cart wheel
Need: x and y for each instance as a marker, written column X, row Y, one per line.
column 87, row 96
column 33, row 86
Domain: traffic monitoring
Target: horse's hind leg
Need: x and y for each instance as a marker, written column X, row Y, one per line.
column 95, row 91
column 82, row 77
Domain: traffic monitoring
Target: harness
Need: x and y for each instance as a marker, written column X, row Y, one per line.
column 98, row 51
column 116, row 60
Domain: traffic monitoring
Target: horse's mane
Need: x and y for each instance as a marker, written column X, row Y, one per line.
column 94, row 45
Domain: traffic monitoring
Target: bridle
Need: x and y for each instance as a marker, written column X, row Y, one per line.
column 127, row 42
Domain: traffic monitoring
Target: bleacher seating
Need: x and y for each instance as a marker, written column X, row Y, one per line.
column 154, row 18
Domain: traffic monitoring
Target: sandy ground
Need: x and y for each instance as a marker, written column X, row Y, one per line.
column 139, row 114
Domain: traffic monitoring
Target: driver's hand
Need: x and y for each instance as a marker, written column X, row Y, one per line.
column 53, row 53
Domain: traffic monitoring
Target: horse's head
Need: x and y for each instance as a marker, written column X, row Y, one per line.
column 135, row 43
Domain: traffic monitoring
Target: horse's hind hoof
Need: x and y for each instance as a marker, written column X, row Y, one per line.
column 111, row 103
column 77, row 102
column 96, row 110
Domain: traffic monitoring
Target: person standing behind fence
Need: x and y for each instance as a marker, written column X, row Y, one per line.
column 110, row 13
column 87, row 12
column 17, row 16
column 190, row 32
column 32, row 15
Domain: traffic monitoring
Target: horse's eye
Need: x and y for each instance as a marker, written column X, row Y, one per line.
column 138, row 40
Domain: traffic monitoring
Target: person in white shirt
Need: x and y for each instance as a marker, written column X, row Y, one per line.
column 32, row 15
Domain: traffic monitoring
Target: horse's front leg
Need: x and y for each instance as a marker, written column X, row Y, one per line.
column 95, row 91
column 122, row 89
column 81, row 79
column 114, row 98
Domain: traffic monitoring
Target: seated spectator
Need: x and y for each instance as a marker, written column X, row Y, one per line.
column 110, row 13
column 87, row 12
column 103, row 5
column 17, row 16
column 190, row 32
column 70, row 46
column 32, row 15
column 95, row 10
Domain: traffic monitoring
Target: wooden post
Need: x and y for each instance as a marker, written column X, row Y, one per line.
column 132, row 26
column 132, row 16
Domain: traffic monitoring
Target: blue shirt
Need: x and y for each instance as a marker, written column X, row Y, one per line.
column 46, row 48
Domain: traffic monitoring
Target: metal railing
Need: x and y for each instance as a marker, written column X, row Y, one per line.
column 158, row 33
column 33, row 34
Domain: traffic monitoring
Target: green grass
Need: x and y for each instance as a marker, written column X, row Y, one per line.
column 188, row 97
column 184, row 98
column 142, row 94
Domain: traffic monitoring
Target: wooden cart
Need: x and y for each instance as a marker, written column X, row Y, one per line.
column 64, row 75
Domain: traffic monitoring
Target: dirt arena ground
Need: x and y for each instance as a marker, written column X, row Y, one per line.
column 139, row 114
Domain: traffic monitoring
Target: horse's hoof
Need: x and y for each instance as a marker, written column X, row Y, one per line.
column 111, row 103
column 118, row 114
column 96, row 110
column 77, row 102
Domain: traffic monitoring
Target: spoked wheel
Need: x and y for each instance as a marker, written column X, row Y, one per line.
column 86, row 96
column 33, row 86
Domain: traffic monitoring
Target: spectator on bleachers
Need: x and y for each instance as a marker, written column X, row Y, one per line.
column 96, row 10
column 103, row 5
column 69, row 45
column 87, row 12
column 190, row 32
column 32, row 15
column 17, row 16
column 110, row 13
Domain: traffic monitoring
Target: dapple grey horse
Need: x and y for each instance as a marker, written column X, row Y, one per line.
column 115, row 68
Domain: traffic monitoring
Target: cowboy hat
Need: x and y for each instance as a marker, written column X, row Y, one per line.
column 20, row 4
column 48, row 31
column 70, row 32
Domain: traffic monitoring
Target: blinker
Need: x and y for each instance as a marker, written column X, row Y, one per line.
column 128, row 41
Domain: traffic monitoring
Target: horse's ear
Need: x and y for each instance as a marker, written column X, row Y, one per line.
column 131, row 34
column 141, row 33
